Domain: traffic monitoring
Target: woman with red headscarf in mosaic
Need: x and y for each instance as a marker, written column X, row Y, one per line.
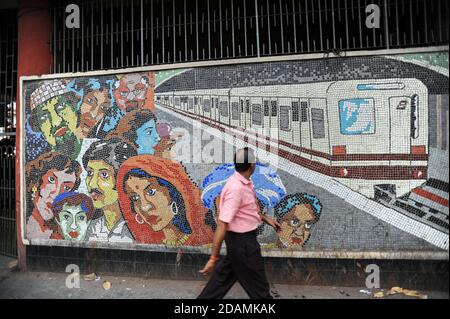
column 161, row 204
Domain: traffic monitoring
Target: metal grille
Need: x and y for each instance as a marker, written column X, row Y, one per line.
column 8, row 70
column 129, row 33
column 8, row 89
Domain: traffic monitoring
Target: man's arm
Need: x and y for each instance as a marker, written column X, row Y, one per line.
column 271, row 221
column 219, row 236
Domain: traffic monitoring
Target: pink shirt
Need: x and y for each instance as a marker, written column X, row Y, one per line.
column 238, row 205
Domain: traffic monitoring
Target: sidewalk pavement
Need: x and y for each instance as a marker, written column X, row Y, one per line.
column 39, row 285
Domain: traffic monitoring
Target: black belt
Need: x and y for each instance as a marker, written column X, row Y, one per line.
column 246, row 234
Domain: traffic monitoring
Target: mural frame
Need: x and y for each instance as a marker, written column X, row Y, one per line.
column 268, row 252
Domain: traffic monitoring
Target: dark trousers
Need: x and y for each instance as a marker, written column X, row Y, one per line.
column 242, row 263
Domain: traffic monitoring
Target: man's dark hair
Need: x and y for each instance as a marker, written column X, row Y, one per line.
column 112, row 151
column 243, row 158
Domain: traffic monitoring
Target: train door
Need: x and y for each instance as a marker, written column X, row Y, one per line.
column 235, row 111
column 223, row 110
column 256, row 115
column 295, row 107
column 274, row 131
column 247, row 109
column 284, row 120
column 400, row 116
column 266, row 118
column 206, row 106
column 319, row 127
column 305, row 130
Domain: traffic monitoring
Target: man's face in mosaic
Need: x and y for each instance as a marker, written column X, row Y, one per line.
column 57, row 120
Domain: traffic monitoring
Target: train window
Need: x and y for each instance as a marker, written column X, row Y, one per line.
column 206, row 105
column 284, row 118
column 242, row 106
column 357, row 116
column 304, row 111
column 318, row 123
column 177, row 101
column 266, row 108
column 191, row 103
column 256, row 114
column 183, row 99
column 223, row 108
column 273, row 106
column 166, row 98
column 295, row 112
column 235, row 114
column 195, row 100
column 247, row 106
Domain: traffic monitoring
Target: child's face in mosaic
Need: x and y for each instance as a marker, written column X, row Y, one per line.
column 73, row 222
column 150, row 200
column 101, row 183
column 295, row 226
column 53, row 183
column 57, row 121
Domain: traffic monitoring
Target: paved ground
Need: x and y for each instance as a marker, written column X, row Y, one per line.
column 37, row 285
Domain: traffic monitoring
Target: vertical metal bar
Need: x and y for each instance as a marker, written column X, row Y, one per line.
column 360, row 28
column 440, row 27
column 396, row 22
column 334, row 26
column 220, row 27
column 151, row 32
column 346, row 24
column 245, row 25
column 185, row 32
column 196, row 26
column 73, row 50
column 162, row 28
column 232, row 28
column 132, row 33
column 295, row 26
column 268, row 27
column 121, row 34
column 320, row 26
column 174, row 33
column 54, row 38
column 425, row 21
column 307, row 25
column 411, row 22
column 386, row 24
column 142, row 32
column 281, row 27
column 101, row 34
column 209, row 28
column 64, row 45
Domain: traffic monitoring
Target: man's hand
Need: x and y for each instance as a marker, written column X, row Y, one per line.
column 208, row 267
column 273, row 222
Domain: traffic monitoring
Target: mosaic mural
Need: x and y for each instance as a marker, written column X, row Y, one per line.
column 361, row 144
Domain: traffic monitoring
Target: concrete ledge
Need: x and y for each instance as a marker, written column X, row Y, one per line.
column 276, row 253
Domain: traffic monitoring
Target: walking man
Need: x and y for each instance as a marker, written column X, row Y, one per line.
column 238, row 220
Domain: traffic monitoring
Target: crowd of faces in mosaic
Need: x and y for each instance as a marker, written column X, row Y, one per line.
column 99, row 167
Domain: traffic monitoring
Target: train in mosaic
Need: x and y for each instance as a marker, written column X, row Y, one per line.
column 360, row 156
column 344, row 133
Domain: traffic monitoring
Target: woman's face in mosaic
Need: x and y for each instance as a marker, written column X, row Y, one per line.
column 53, row 183
column 150, row 201
column 296, row 225
column 93, row 108
column 147, row 138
